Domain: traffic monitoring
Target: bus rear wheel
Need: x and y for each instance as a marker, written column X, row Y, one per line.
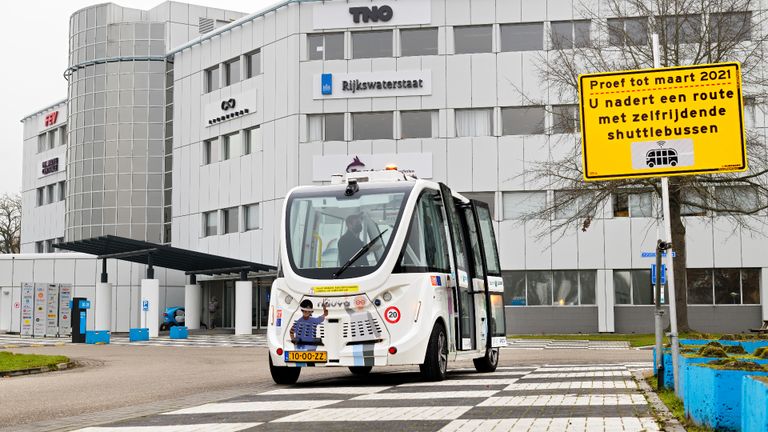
column 436, row 361
column 283, row 374
column 360, row 370
column 489, row 362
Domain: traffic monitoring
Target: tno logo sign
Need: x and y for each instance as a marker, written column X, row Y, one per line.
column 371, row 14
column 228, row 104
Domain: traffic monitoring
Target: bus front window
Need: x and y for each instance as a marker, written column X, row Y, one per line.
column 326, row 229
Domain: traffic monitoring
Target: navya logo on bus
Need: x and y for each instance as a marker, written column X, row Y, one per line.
column 326, row 83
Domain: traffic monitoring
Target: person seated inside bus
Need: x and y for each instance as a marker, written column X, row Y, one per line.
column 304, row 329
column 350, row 242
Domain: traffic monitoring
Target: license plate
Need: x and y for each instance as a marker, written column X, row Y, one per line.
column 306, row 356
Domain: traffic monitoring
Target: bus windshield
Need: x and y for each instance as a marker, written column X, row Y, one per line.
column 326, row 230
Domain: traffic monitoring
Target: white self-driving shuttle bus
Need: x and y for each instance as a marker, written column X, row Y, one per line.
column 379, row 268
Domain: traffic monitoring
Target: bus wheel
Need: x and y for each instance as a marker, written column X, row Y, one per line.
column 360, row 370
column 436, row 361
column 283, row 374
column 489, row 362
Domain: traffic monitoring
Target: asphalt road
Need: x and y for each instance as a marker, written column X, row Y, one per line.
column 118, row 382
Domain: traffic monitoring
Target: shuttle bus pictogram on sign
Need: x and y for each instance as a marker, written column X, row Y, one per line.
column 662, row 122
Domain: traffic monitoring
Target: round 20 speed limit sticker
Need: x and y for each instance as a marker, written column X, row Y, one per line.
column 392, row 315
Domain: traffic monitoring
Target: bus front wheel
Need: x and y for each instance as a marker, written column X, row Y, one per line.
column 436, row 361
column 283, row 374
column 489, row 362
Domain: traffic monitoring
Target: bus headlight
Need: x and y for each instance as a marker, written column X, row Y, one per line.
column 387, row 296
column 288, row 299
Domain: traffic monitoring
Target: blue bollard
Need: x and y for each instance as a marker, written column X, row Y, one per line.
column 178, row 332
column 138, row 334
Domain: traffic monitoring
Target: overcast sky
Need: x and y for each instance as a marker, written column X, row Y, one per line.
column 34, row 41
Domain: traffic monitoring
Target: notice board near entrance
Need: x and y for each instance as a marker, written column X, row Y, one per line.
column 662, row 122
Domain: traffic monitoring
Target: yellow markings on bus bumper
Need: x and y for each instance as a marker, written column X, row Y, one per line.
column 335, row 289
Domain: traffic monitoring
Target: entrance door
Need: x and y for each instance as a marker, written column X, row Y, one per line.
column 477, row 271
column 465, row 336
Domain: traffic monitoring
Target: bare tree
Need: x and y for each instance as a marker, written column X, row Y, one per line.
column 10, row 223
column 690, row 32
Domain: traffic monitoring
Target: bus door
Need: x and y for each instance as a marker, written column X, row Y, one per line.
column 477, row 271
column 493, row 279
column 463, row 302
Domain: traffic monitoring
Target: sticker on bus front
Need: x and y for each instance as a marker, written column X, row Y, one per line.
column 334, row 289
column 436, row 281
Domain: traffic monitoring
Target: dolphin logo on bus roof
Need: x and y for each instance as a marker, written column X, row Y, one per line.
column 356, row 165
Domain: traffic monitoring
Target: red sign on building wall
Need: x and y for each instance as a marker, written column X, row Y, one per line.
column 50, row 118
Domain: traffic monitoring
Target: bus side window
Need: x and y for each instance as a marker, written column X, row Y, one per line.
column 474, row 242
column 426, row 248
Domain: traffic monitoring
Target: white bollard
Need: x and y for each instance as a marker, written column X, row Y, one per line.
column 243, row 306
column 150, row 291
column 102, row 307
column 193, row 304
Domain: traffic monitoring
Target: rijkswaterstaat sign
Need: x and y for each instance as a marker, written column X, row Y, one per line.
column 372, row 84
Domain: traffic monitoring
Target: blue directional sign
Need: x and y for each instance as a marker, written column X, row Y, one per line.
column 145, row 305
column 663, row 274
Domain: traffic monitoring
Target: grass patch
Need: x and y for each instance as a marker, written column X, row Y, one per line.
column 675, row 406
column 14, row 362
column 634, row 339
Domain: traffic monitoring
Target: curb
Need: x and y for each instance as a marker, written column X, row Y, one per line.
column 668, row 422
column 58, row 367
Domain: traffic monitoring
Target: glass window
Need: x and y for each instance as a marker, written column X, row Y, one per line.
column 253, row 63
column 539, row 288
column 727, row 286
column 209, row 150
column 326, row 127
column 232, row 71
column 211, row 79
column 42, row 143
column 522, row 120
column 566, row 286
column 514, row 288
column 622, row 287
column 474, row 122
column 571, row 203
column 681, row 29
column 231, row 224
column 372, row 125
column 418, row 124
column 628, row 31
column 326, row 46
column 40, row 196
column 737, row 199
column 426, row 248
column 63, row 135
column 522, row 37
column 210, row 223
column 472, row 39
column 519, row 204
column 642, row 290
column 730, row 27
column 486, row 197
column 39, row 247
column 565, row 119
column 694, row 203
column 51, row 138
column 418, row 42
column 587, row 287
column 633, row 204
column 485, row 220
column 51, row 193
column 750, row 286
column 252, row 140
column 699, row 283
column 251, row 217
column 372, row 44
column 231, row 142
column 570, row 34
column 62, row 190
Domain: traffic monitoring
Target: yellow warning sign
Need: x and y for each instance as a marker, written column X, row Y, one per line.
column 335, row 289
column 662, row 122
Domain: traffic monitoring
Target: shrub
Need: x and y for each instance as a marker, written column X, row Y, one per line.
column 733, row 364
column 712, row 351
column 735, row 349
column 761, row 352
column 714, row 344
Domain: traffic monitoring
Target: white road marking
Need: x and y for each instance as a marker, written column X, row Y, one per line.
column 567, row 385
column 467, row 382
column 565, row 400
column 326, row 390
column 224, row 407
column 376, row 414
column 206, row 427
column 428, row 395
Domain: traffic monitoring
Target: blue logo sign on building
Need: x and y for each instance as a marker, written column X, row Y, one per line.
column 145, row 305
column 326, row 84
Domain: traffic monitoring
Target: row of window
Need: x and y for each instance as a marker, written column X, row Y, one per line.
column 630, row 287
column 52, row 139
column 227, row 146
column 47, row 245
column 528, row 120
column 231, row 220
column 233, row 71
column 51, row 193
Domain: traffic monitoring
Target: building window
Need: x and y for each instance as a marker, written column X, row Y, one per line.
column 51, row 139
column 418, row 124
column 522, row 37
column 211, row 79
column 49, row 246
column 565, row 119
column 51, row 193
column 253, row 63
column 231, row 223
column 520, row 204
column 39, row 247
column 40, row 196
column 737, row 200
column 473, row 39
column 209, row 150
column 252, row 140
column 571, row 203
column 370, row 126
column 326, row 46
column 372, row 44
column 633, row 287
column 62, row 190
column 326, row 127
column 485, row 197
column 633, row 204
column 63, row 135
column 230, row 142
column 681, row 29
column 546, row 288
column 628, row 31
column 251, row 217
column 570, row 34
column 232, row 71
column 210, row 223
column 694, row 203
column 723, row 286
column 527, row 120
column 474, row 122
column 42, row 142
column 418, row 42
column 730, row 27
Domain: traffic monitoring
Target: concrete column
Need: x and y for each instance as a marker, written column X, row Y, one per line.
column 150, row 291
column 102, row 307
column 243, row 306
column 605, row 301
column 193, row 305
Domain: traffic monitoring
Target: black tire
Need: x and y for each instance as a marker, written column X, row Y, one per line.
column 651, row 164
column 360, row 370
column 436, row 360
column 489, row 362
column 163, row 327
column 283, row 374
column 673, row 163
